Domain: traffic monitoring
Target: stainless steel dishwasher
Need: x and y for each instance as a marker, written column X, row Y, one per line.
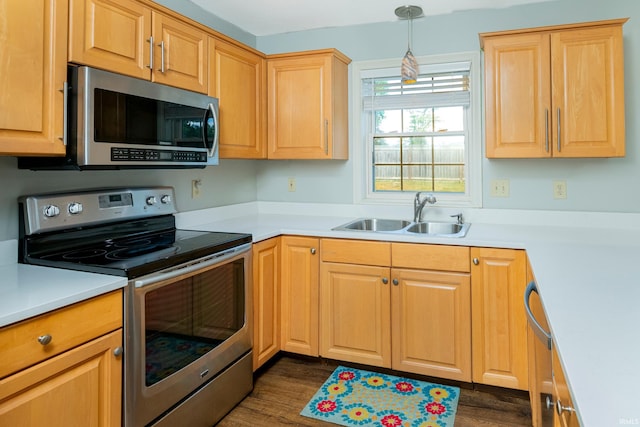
column 540, row 345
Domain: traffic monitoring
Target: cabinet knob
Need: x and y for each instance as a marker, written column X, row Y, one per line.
column 560, row 409
column 313, row 251
column 44, row 339
column 395, row 282
column 476, row 261
column 549, row 402
column 117, row 352
column 385, row 280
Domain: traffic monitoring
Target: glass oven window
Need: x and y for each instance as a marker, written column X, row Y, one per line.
column 188, row 318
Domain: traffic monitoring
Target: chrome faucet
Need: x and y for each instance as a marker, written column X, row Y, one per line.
column 418, row 205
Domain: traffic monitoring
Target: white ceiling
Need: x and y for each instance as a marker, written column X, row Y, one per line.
column 266, row 17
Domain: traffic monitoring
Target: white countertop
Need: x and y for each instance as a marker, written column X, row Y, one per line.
column 586, row 277
column 29, row 290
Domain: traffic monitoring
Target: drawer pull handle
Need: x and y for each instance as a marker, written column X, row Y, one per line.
column 117, row 352
column 476, row 261
column 560, row 409
column 44, row 339
column 385, row 280
column 395, row 282
column 313, row 251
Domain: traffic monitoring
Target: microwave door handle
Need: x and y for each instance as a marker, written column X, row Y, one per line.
column 214, row 146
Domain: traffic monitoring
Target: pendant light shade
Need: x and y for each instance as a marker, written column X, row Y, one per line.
column 409, row 68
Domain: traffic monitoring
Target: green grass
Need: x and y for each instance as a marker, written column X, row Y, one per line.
column 441, row 186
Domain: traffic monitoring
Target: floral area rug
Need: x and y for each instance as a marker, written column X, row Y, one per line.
column 352, row 397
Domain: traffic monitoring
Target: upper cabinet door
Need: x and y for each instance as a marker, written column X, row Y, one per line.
column 33, row 71
column 111, row 34
column 518, row 96
column 588, row 92
column 307, row 105
column 237, row 77
column 127, row 37
column 180, row 54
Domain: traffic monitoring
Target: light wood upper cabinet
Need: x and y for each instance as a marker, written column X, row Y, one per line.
column 499, row 323
column 299, row 307
column 33, row 72
column 237, row 77
column 75, row 378
column 555, row 91
column 266, row 300
column 117, row 35
column 308, row 105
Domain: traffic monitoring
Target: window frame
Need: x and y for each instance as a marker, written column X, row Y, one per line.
column 362, row 144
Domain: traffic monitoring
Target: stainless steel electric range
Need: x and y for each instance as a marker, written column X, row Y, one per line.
column 187, row 310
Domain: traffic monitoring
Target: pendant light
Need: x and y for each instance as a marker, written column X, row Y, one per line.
column 409, row 67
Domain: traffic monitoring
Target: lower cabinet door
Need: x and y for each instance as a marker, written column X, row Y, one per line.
column 431, row 318
column 354, row 313
column 81, row 387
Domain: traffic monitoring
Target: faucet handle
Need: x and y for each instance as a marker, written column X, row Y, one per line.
column 458, row 217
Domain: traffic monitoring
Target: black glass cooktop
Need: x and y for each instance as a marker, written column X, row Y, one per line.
column 130, row 249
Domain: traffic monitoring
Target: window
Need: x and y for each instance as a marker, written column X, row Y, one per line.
column 419, row 137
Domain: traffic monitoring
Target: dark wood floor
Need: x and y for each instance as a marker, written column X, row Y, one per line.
column 285, row 385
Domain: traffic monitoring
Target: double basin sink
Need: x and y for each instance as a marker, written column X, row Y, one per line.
column 400, row 226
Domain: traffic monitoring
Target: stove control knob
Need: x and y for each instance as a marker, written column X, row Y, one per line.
column 75, row 208
column 166, row 199
column 51, row 210
column 151, row 200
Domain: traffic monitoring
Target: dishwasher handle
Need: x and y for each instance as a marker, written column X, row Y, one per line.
column 537, row 328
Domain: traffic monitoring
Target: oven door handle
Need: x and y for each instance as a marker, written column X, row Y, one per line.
column 196, row 265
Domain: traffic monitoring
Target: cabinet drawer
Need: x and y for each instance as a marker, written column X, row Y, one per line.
column 68, row 328
column 430, row 257
column 356, row 252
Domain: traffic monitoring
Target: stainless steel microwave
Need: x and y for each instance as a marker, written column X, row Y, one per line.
column 120, row 122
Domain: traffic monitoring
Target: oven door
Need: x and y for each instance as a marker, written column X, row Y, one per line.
column 184, row 327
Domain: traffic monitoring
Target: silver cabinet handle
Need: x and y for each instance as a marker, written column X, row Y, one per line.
column 118, row 351
column 395, row 282
column 559, row 133
column 476, row 261
column 560, row 409
column 537, row 328
column 161, row 56
column 65, row 104
column 313, row 251
column 385, row 280
column 546, row 130
column 326, row 137
column 150, row 40
column 549, row 402
column 45, row 339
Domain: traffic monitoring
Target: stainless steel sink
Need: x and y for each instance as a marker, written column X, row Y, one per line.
column 375, row 224
column 439, row 229
column 400, row 226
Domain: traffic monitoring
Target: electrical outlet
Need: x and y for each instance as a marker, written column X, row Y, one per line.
column 292, row 184
column 195, row 188
column 500, row 188
column 559, row 189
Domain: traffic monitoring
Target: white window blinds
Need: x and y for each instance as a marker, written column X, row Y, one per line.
column 439, row 85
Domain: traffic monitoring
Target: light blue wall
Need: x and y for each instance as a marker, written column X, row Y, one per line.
column 592, row 184
column 198, row 14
